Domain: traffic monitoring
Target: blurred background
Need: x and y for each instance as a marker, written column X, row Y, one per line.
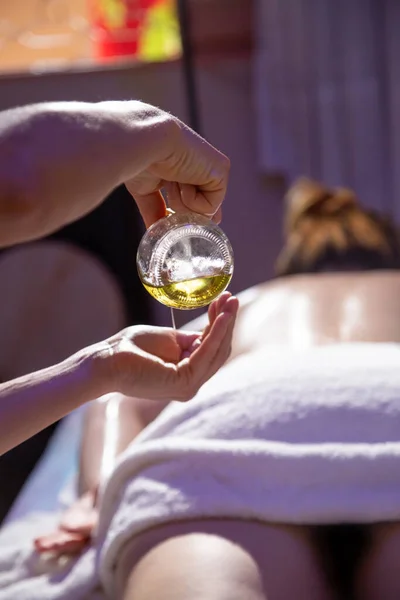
column 284, row 87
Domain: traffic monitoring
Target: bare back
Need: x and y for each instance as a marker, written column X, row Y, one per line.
column 306, row 310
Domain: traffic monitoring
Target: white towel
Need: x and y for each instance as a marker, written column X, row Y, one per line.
column 296, row 437
column 300, row 437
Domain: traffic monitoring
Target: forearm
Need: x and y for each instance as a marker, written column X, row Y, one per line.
column 32, row 402
column 58, row 161
column 111, row 423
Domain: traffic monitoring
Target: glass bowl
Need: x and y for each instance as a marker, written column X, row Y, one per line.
column 185, row 261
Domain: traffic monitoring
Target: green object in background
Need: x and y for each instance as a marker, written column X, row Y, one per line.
column 160, row 38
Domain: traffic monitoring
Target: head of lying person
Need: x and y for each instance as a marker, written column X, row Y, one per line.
column 338, row 276
column 327, row 230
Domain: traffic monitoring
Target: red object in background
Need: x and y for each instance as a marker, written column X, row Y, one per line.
column 116, row 26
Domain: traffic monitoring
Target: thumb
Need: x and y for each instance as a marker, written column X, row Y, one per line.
column 151, row 206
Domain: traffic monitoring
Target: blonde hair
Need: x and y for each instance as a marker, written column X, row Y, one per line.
column 327, row 229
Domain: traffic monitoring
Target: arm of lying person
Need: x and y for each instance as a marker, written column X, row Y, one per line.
column 111, row 423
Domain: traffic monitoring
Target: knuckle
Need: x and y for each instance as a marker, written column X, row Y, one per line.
column 172, row 126
column 149, row 111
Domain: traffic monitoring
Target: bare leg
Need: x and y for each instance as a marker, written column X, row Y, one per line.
column 379, row 574
column 221, row 560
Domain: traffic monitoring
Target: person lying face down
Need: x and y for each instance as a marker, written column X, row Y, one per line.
column 339, row 266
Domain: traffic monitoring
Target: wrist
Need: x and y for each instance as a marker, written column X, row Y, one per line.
column 94, row 362
column 146, row 134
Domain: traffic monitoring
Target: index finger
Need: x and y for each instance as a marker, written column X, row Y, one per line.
column 208, row 357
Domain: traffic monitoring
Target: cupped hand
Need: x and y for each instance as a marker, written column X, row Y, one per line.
column 165, row 364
